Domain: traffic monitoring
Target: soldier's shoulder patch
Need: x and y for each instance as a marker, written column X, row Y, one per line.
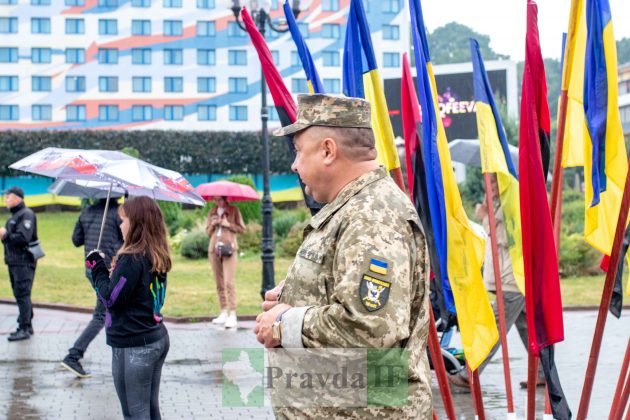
column 373, row 292
column 28, row 223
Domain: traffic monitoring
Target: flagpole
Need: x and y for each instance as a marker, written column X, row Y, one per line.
column 475, row 389
column 435, row 352
column 605, row 302
column 499, row 290
column 558, row 171
column 616, row 411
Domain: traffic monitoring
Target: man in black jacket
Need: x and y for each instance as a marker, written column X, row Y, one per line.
column 86, row 232
column 20, row 230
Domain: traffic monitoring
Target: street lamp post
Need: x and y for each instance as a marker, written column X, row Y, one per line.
column 260, row 15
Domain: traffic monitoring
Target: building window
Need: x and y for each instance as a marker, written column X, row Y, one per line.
column 391, row 59
column 391, row 32
column 75, row 2
column 330, row 58
column 108, row 84
column 9, row 84
column 108, row 112
column 235, row 31
column 140, row 3
column 299, row 85
column 173, row 84
column 141, row 27
column 41, row 112
column 391, row 6
column 330, row 5
column 331, row 31
column 206, row 57
column 3, row 2
column 205, row 4
column 41, row 83
column 206, row 28
column 238, row 112
column 9, row 113
column 275, row 55
column 237, row 84
column 141, row 84
column 173, row 56
column 237, row 57
column 207, row 112
column 174, row 113
column 332, row 85
column 172, row 3
column 624, row 112
column 75, row 83
column 75, row 113
column 206, row 84
column 366, row 6
column 142, row 113
column 303, row 29
column 273, row 114
column 8, row 55
column 41, row 55
column 295, row 59
column 107, row 27
column 141, row 56
column 108, row 3
column 75, row 55
column 172, row 28
column 40, row 25
column 8, row 25
column 75, row 26
column 108, row 55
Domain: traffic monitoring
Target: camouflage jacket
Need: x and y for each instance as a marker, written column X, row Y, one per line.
column 360, row 280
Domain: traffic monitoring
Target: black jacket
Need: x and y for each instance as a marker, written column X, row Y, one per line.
column 21, row 229
column 133, row 296
column 88, row 227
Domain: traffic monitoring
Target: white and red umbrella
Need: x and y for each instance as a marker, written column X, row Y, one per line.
column 231, row 190
column 110, row 170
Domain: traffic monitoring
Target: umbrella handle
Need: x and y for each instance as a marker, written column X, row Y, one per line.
column 100, row 235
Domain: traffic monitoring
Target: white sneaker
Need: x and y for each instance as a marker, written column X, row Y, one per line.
column 220, row 320
column 231, row 321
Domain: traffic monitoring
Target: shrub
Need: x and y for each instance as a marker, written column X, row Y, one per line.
column 283, row 224
column 250, row 210
column 290, row 244
column 577, row 258
column 195, row 245
column 251, row 239
column 189, row 221
column 172, row 213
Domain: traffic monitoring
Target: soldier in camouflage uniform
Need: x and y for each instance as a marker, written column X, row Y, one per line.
column 359, row 279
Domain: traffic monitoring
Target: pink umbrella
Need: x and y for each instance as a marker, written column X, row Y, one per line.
column 231, row 190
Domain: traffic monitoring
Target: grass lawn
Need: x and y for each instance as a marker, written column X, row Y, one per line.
column 191, row 292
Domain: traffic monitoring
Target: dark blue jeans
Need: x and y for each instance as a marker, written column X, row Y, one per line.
column 137, row 372
column 90, row 332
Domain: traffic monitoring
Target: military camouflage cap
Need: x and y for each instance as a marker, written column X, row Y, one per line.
column 329, row 111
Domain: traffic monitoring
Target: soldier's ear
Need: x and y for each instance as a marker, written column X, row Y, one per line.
column 329, row 150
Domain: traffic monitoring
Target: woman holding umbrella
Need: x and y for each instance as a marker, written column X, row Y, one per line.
column 223, row 224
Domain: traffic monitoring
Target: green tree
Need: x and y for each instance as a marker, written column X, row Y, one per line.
column 623, row 51
column 449, row 44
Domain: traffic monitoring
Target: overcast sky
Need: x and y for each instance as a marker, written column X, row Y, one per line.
column 504, row 21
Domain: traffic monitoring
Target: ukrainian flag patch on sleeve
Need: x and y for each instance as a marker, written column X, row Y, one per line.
column 378, row 266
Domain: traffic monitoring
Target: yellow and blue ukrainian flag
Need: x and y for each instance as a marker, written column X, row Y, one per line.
column 495, row 158
column 361, row 79
column 312, row 77
column 460, row 248
column 605, row 159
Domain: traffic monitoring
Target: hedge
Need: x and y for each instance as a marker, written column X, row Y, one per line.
column 189, row 152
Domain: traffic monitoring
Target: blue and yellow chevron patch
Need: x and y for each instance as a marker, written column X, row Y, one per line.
column 378, row 266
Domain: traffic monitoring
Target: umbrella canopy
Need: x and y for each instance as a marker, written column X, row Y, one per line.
column 84, row 189
column 123, row 172
column 231, row 190
column 467, row 152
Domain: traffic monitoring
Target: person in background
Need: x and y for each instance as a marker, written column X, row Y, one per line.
column 86, row 234
column 133, row 296
column 20, row 230
column 223, row 224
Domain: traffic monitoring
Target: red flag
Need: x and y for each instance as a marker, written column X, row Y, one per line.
column 543, row 302
column 285, row 105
